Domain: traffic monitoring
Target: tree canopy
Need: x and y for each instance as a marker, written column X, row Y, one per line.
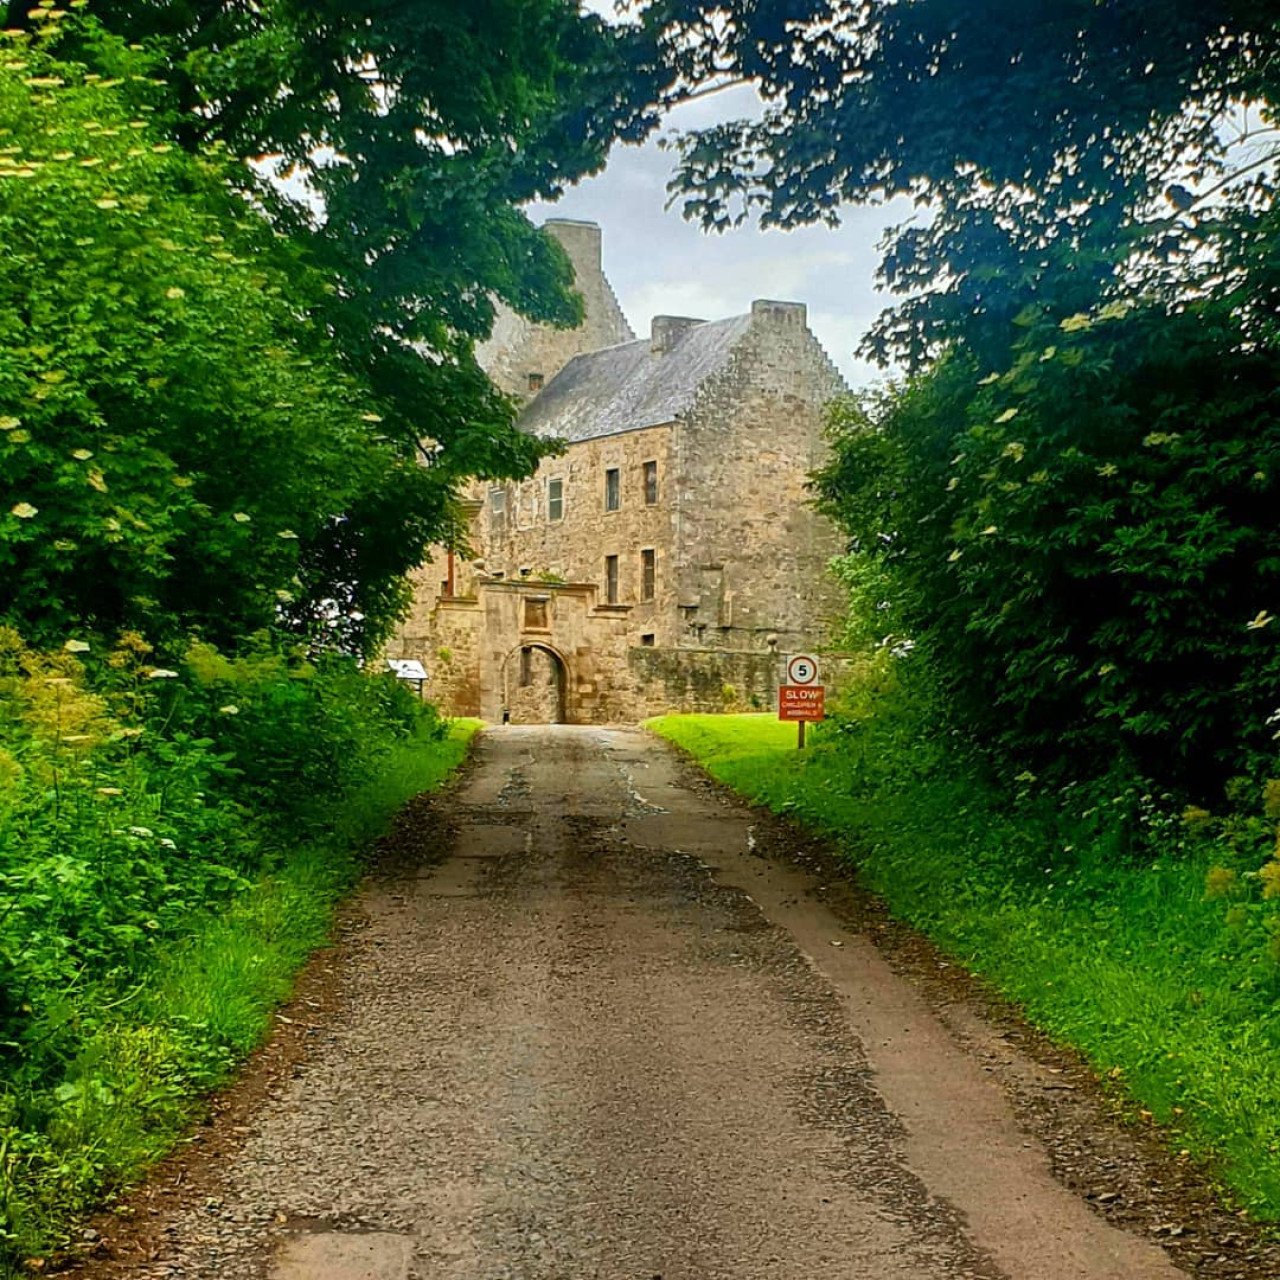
column 1055, row 150
column 292, row 356
column 1073, row 495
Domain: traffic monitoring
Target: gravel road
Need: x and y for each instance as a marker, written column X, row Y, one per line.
column 603, row 1039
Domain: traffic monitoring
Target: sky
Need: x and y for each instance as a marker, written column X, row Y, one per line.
column 659, row 264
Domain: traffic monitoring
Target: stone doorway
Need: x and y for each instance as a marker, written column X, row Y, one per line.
column 534, row 683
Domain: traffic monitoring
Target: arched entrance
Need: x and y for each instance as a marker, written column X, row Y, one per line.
column 534, row 681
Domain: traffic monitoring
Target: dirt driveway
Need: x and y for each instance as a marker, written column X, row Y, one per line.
column 605, row 1039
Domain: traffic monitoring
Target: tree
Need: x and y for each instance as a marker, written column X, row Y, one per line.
column 1050, row 146
column 409, row 136
column 1084, row 545
column 181, row 441
column 1074, row 491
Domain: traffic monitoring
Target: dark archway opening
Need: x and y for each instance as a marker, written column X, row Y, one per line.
column 534, row 685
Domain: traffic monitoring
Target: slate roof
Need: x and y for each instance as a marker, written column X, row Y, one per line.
column 626, row 387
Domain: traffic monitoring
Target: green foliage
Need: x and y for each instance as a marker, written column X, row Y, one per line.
column 409, row 138
column 1048, row 146
column 1084, row 542
column 171, row 842
column 181, row 446
column 1071, row 503
column 421, row 127
column 1143, row 935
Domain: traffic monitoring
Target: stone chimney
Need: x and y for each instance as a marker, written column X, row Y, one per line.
column 667, row 332
column 582, row 241
column 779, row 315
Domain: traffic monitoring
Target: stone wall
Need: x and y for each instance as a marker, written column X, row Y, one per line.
column 522, row 542
column 751, row 555
column 517, row 349
column 703, row 680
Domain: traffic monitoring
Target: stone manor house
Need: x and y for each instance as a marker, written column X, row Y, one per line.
column 669, row 558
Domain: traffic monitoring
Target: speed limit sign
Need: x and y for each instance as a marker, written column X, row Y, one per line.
column 802, row 669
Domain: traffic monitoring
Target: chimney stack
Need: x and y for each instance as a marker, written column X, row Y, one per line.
column 667, row 332
column 788, row 315
column 582, row 241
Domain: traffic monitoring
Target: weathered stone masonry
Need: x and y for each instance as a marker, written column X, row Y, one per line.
column 669, row 557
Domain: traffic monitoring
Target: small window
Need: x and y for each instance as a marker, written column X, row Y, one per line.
column 650, row 484
column 648, row 573
column 555, row 499
column 612, row 489
column 647, row 639
column 536, row 382
column 526, row 667
column 611, row 579
column 497, row 501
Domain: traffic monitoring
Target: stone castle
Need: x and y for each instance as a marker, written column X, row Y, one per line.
column 669, row 557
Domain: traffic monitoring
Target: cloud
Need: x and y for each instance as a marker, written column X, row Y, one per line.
column 660, row 264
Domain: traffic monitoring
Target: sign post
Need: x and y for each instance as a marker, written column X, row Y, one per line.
column 802, row 698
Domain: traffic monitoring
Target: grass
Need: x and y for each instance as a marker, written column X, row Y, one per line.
column 202, row 1008
column 1167, row 990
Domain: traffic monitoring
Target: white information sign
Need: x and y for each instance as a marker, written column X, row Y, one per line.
column 407, row 668
column 802, row 668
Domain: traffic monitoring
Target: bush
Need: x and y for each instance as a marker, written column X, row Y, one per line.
column 1084, row 543
column 139, row 804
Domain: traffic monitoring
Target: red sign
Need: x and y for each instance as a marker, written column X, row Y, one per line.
column 801, row 702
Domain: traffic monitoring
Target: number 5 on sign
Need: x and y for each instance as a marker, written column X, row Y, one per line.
column 802, row 668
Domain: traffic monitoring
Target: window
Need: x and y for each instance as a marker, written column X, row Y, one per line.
column 555, row 499
column 536, row 382
column 647, row 639
column 650, row 483
column 611, row 579
column 497, row 501
column 612, row 489
column 526, row 667
column 648, row 573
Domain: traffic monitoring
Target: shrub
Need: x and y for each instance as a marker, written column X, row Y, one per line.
column 1084, row 543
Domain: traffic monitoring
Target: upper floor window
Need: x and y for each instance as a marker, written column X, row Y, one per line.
column 648, row 573
column 611, row 579
column 650, row 483
column 555, row 499
column 536, row 382
column 498, row 501
column 612, row 489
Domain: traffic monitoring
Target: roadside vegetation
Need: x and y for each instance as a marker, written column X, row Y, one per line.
column 1057, row 752
column 172, row 843
column 233, row 414
column 1145, row 937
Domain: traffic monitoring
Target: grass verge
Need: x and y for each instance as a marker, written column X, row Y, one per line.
column 1169, row 991
column 148, row 1053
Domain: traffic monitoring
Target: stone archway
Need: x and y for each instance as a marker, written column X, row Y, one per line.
column 535, row 683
